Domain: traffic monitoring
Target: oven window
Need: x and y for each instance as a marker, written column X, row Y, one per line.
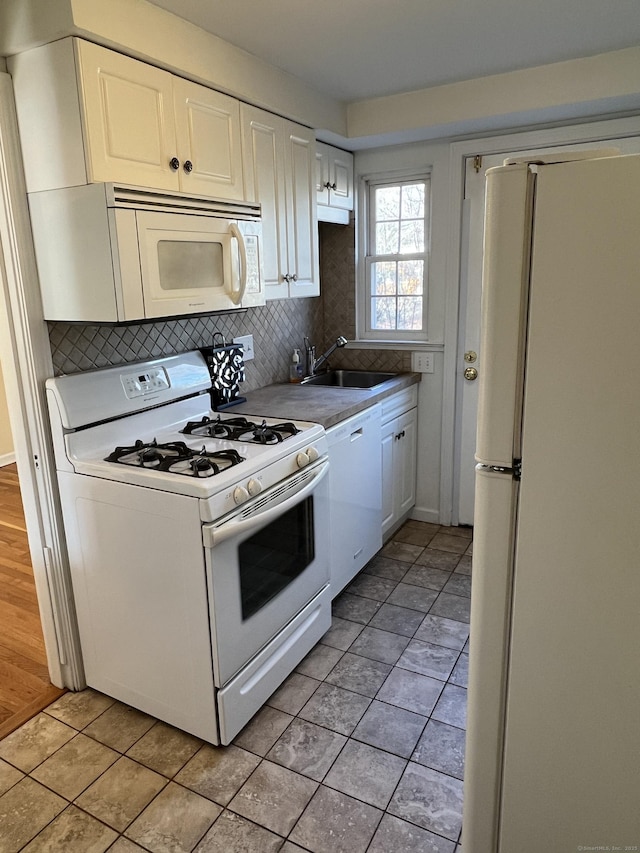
column 186, row 264
column 272, row 558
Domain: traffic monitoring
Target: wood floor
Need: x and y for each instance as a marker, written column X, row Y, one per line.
column 24, row 678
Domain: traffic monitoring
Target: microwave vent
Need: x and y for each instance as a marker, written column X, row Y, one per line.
column 138, row 198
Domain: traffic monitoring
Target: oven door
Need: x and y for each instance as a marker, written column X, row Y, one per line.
column 265, row 563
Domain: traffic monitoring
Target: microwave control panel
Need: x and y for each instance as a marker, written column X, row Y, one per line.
column 142, row 383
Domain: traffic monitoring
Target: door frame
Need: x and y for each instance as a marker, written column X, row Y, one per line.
column 26, row 361
column 597, row 131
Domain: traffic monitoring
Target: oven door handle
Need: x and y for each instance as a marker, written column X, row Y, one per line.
column 213, row 536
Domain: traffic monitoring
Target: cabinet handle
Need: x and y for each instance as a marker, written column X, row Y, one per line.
column 174, row 163
column 294, row 277
column 286, row 277
column 400, row 435
column 188, row 166
column 333, row 186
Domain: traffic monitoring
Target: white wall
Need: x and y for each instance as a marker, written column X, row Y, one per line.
column 605, row 84
column 6, row 439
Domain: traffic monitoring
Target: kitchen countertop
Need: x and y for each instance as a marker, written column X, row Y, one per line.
column 318, row 403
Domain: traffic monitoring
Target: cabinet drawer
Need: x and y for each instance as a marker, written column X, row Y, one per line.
column 399, row 403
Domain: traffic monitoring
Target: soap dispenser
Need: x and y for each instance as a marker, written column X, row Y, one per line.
column 295, row 370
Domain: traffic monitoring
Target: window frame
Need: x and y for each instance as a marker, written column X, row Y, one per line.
column 364, row 331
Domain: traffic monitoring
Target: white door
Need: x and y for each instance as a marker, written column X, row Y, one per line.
column 470, row 294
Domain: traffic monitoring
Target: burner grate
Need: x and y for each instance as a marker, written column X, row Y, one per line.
column 175, row 457
column 240, row 429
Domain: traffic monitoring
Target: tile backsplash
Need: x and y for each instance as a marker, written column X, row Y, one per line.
column 277, row 328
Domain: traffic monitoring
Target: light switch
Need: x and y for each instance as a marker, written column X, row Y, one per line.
column 422, row 362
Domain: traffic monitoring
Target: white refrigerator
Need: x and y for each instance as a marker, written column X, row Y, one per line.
column 553, row 737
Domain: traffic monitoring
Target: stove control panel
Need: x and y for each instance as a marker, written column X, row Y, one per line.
column 145, row 382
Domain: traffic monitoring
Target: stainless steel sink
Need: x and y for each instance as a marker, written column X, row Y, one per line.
column 349, row 378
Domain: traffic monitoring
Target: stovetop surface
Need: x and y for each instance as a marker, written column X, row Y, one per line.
column 112, row 450
column 103, row 421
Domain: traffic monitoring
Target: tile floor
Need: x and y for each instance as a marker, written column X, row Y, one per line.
column 361, row 749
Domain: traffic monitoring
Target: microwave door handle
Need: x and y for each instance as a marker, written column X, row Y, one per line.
column 214, row 536
column 237, row 295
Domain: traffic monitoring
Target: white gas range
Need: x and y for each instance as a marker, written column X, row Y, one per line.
column 198, row 541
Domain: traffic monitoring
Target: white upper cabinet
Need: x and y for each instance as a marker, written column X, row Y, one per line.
column 279, row 170
column 88, row 114
column 334, row 183
column 208, row 141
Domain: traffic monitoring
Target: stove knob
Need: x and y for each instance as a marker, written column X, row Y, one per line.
column 302, row 459
column 254, row 487
column 312, row 453
column 240, row 494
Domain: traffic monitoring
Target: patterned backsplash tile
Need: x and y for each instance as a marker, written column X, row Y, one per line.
column 277, row 328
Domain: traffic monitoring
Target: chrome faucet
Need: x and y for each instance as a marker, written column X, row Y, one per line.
column 314, row 363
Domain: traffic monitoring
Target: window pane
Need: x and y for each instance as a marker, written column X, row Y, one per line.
column 412, row 236
column 387, row 203
column 383, row 278
column 386, row 238
column 410, row 313
column 383, row 313
column 413, row 201
column 411, row 277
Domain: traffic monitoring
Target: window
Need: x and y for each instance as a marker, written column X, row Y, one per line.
column 394, row 291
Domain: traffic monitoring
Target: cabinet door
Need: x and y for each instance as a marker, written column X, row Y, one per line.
column 264, row 169
column 302, row 230
column 388, row 441
column 208, row 137
column 406, row 462
column 322, row 173
column 129, row 123
column 341, row 177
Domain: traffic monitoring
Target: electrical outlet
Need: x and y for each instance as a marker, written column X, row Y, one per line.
column 422, row 362
column 247, row 345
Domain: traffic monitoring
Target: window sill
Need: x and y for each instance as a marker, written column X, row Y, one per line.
column 416, row 346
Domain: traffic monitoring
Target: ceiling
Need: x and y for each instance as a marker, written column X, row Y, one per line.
column 356, row 49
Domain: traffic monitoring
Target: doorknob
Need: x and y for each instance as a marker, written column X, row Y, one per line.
column 470, row 373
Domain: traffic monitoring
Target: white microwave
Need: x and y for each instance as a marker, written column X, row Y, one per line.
column 108, row 253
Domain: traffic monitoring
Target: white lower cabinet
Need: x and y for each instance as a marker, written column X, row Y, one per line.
column 398, row 445
column 355, row 490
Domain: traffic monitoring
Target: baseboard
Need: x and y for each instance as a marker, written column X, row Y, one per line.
column 432, row 516
column 7, row 459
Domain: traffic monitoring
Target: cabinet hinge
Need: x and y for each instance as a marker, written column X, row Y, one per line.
column 477, row 162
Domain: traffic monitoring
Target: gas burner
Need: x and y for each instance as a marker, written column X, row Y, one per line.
column 202, row 463
column 217, row 428
column 240, row 429
column 264, row 434
column 148, row 454
column 176, row 458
